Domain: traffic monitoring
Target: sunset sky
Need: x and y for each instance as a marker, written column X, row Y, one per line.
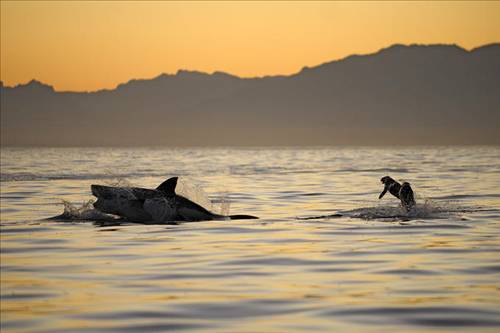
column 86, row 46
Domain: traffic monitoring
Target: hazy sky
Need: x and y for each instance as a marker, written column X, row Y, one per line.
column 93, row 45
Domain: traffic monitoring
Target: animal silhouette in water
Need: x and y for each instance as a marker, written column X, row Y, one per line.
column 403, row 192
column 153, row 205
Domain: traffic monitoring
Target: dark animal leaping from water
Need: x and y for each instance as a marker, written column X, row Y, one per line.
column 403, row 192
column 406, row 196
column 160, row 205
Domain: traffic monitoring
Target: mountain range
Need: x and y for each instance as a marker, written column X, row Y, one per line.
column 400, row 95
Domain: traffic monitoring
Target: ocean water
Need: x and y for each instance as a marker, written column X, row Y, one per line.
column 326, row 254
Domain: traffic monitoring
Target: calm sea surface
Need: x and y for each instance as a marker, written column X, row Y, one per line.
column 299, row 268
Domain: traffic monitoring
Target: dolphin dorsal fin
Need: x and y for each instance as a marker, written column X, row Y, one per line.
column 168, row 186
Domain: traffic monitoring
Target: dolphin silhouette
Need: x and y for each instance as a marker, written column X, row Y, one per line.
column 153, row 205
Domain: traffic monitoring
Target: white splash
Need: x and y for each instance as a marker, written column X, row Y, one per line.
column 190, row 190
column 424, row 209
column 85, row 212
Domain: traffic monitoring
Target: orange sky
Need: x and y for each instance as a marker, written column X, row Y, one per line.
column 92, row 45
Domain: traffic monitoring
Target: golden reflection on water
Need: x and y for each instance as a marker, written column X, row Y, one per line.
column 278, row 273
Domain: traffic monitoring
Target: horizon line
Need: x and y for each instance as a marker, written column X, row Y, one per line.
column 220, row 72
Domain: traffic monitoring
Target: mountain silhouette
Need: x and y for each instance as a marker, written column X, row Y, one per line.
column 400, row 95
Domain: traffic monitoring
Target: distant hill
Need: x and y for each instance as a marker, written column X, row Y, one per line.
column 416, row 94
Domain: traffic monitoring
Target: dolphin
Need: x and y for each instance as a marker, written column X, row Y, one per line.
column 153, row 205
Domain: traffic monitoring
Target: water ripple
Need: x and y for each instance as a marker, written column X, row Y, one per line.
column 349, row 263
column 422, row 316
